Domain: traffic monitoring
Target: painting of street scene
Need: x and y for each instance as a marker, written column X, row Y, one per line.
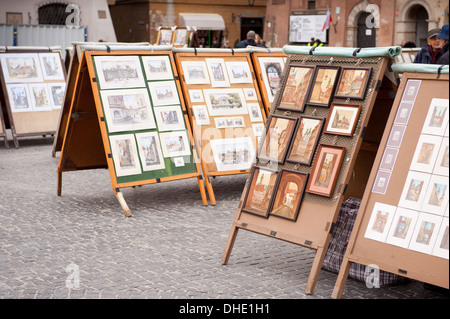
column 225, row 102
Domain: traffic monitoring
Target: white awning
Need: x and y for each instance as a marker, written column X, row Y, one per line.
column 202, row 21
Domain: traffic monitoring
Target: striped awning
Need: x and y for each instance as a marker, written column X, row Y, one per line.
column 202, row 21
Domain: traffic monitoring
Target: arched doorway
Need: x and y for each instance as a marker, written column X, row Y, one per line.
column 366, row 32
column 418, row 15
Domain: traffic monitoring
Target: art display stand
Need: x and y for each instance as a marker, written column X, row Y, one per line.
column 402, row 224
column 225, row 109
column 317, row 213
column 3, row 133
column 32, row 86
column 127, row 114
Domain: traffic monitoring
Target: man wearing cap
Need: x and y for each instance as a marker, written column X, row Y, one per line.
column 429, row 52
column 249, row 41
column 442, row 55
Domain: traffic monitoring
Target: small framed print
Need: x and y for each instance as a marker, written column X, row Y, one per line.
column 295, row 90
column 380, row 222
column 403, row 113
column 325, row 170
column 258, row 129
column 254, row 111
column 217, row 72
column 40, row 97
column 196, row 96
column 381, row 182
column 414, row 190
column 150, row 151
column 353, row 82
column 389, row 158
column 396, row 136
column 195, row 72
column 259, row 197
column 289, row 194
column 125, row 155
column 342, row 119
column 324, row 84
column 226, row 122
column 402, row 227
column 57, row 92
column 425, row 233
column 305, row 140
column 437, row 117
column 119, row 72
column 52, row 68
column 181, row 37
column 442, row 245
column 21, row 67
column 426, row 153
column 271, row 70
column 277, row 139
column 250, row 94
column 165, row 36
column 441, row 167
column 436, row 197
column 201, row 114
column 232, row 154
column 164, row 93
column 175, row 143
column 224, row 102
column 239, row 72
column 411, row 90
column 157, row 67
column 19, row 98
column 169, row 118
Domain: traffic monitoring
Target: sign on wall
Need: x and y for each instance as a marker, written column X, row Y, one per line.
column 303, row 28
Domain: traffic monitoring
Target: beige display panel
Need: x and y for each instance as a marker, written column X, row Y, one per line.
column 401, row 227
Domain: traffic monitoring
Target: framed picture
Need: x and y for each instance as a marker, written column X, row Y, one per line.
column 169, row 118
column 425, row 233
column 426, row 153
column 217, row 72
column 201, row 114
column 250, row 94
column 324, row 80
column 436, row 196
column 225, row 102
column 231, row 154
column 437, row 117
column 19, row 98
column 254, row 112
column 259, row 197
column 441, row 248
column 278, row 137
column 127, row 110
column 57, row 92
column 389, row 158
column 352, row 83
column 175, row 143
column 150, row 151
column 239, row 72
column 441, row 167
column 124, row 154
column 195, row 72
column 403, row 224
column 258, row 129
column 164, row 36
column 411, row 90
column 403, row 113
column 119, row 72
column 21, row 67
column 181, row 37
column 381, row 182
column 40, row 97
column 226, row 122
column 196, row 96
column 396, row 136
column 271, row 69
column 296, row 88
column 157, row 67
column 342, row 119
column 305, row 140
column 52, row 68
column 380, row 222
column 414, row 190
column 289, row 194
column 163, row 93
column 325, row 170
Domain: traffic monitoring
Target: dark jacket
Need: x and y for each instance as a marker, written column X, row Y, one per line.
column 442, row 56
column 245, row 43
column 424, row 56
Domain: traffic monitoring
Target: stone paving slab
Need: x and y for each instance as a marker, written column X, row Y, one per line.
column 170, row 249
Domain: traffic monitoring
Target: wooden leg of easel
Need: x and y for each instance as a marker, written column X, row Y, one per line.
column 315, row 269
column 230, row 243
column 123, row 203
column 342, row 278
column 59, row 182
column 212, row 198
column 201, row 185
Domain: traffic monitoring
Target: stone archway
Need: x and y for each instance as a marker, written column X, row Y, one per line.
column 407, row 22
column 352, row 21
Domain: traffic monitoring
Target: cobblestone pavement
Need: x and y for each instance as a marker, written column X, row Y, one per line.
column 171, row 247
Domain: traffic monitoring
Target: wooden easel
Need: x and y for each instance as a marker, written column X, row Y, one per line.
column 388, row 257
column 318, row 214
column 3, row 127
column 86, row 143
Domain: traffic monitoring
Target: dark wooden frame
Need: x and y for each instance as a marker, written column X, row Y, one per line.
column 311, row 89
column 353, row 125
column 367, row 78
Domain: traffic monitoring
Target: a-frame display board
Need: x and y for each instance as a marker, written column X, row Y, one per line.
column 402, row 224
column 295, row 190
column 269, row 65
column 226, row 110
column 32, row 89
column 127, row 114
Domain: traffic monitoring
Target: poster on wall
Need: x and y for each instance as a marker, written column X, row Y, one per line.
column 304, row 27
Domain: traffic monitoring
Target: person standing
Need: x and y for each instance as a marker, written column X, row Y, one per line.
column 249, row 41
column 427, row 53
column 442, row 55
